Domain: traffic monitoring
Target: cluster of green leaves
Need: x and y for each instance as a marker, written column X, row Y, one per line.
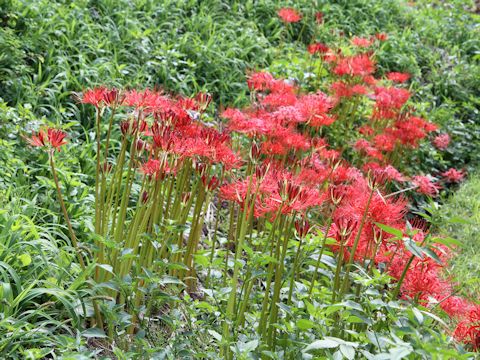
column 42, row 296
column 459, row 217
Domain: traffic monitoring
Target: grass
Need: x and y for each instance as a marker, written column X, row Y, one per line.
column 460, row 219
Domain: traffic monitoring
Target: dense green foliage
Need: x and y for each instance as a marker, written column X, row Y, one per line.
column 50, row 49
column 459, row 217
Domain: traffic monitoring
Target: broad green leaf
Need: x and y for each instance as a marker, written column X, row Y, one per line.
column 390, row 230
column 305, row 324
column 321, row 344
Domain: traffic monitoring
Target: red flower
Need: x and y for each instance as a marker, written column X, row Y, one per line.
column 93, row 96
column 53, row 137
column 362, row 42
column 319, row 17
column 289, row 15
column 441, row 141
column 357, row 65
column 56, row 138
column 260, row 81
column 398, row 77
column 454, row 176
column 314, row 108
column 468, row 330
column 37, row 140
column 425, row 185
column 381, row 37
column 317, row 48
column 391, row 97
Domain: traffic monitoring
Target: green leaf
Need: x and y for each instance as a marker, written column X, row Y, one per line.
column 215, row 334
column 247, row 347
column 347, row 351
column 413, row 248
column 166, row 279
column 94, row 333
column 390, row 230
column 448, row 241
column 305, row 324
column 321, row 344
column 26, row 259
column 201, row 260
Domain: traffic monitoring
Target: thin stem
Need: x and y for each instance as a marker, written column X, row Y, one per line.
column 64, row 210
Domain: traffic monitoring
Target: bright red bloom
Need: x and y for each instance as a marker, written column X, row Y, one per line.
column 456, row 306
column 362, row 42
column 151, row 167
column 383, row 174
column 357, row 65
column 37, row 140
column 441, row 141
column 381, row 37
column 410, row 130
column 276, row 99
column 317, row 48
column 56, row 138
column 453, row 175
column 398, row 77
column 93, row 96
column 425, row 185
column 319, row 17
column 382, row 210
column 289, row 15
column 53, row 137
column 314, row 108
column 342, row 89
column 260, row 81
column 468, row 330
column 391, row 97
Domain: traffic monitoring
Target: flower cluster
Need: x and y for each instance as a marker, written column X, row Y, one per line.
column 51, row 137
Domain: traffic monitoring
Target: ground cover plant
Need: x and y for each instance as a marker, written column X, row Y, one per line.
column 299, row 221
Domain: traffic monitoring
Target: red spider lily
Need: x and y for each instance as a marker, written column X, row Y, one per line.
column 362, row 42
column 385, row 142
column 380, row 210
column 441, row 141
column 151, row 167
column 456, row 306
column 289, row 15
column 277, row 99
column 453, row 175
column 344, row 90
column 302, row 226
column 410, row 130
column 37, row 140
column 317, row 48
column 398, row 77
column 93, row 96
column 468, row 330
column 56, row 138
column 381, row 37
column 314, row 108
column 111, row 97
column 319, row 17
column 147, row 99
column 386, row 173
column 357, row 65
column 386, row 98
column 260, row 81
column 53, row 137
column 425, row 185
